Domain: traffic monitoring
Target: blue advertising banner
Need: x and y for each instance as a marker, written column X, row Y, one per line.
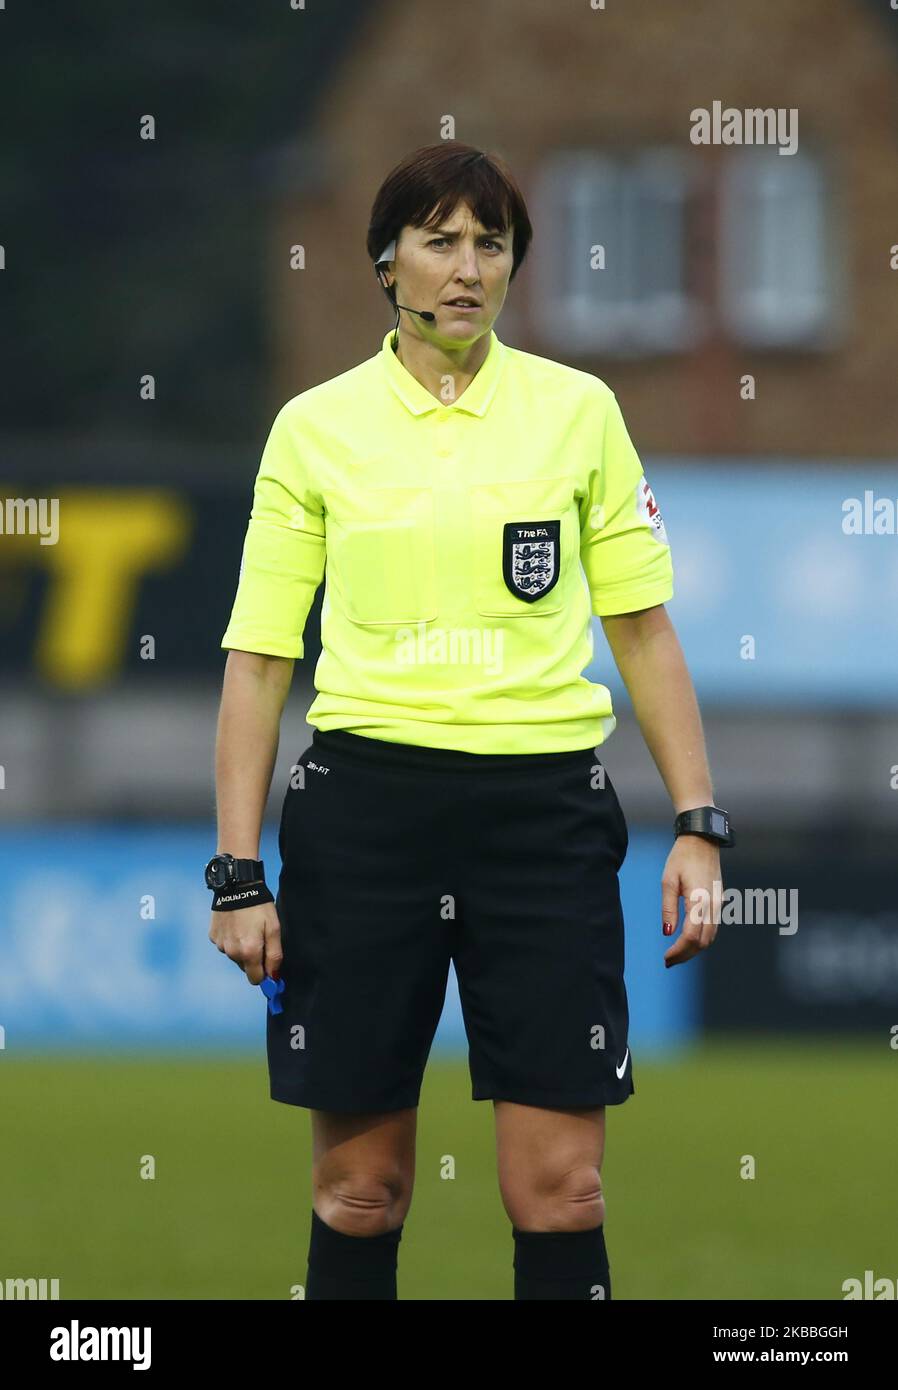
column 785, row 580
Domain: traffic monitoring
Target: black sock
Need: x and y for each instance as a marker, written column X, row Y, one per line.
column 561, row 1264
column 344, row 1266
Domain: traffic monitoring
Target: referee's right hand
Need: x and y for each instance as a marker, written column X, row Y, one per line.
column 251, row 938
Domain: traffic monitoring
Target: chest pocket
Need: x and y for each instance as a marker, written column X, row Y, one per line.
column 384, row 557
column 527, row 549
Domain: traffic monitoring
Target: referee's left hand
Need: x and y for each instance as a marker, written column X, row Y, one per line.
column 692, row 868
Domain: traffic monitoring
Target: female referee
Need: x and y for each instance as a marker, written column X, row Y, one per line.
column 474, row 505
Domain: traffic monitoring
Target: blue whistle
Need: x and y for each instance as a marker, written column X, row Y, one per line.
column 271, row 989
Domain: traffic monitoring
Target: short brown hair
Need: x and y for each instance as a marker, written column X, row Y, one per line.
column 439, row 177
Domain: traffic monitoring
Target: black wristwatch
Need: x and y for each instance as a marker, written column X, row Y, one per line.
column 708, row 821
column 223, row 870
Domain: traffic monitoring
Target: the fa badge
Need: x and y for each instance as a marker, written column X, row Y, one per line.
column 531, row 557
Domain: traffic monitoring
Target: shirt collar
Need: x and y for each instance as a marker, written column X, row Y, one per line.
column 474, row 400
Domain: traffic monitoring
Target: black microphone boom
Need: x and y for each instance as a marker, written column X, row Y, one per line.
column 423, row 313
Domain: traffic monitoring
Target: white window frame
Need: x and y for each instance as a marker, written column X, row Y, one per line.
column 569, row 189
column 778, row 283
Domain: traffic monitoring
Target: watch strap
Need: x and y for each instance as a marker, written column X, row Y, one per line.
column 248, row 870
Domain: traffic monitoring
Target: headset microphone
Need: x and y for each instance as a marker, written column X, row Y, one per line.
column 422, row 313
column 388, row 254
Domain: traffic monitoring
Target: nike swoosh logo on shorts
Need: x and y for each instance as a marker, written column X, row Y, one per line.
column 619, row 1071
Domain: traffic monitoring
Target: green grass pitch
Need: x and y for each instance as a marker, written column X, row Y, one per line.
column 227, row 1214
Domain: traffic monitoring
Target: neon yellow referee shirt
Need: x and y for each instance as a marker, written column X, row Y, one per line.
column 466, row 544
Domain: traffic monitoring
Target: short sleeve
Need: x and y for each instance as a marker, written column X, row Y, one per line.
column 283, row 552
column 623, row 544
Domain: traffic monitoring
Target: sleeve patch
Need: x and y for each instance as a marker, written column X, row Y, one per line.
column 649, row 510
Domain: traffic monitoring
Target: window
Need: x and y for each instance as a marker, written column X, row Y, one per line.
column 775, row 258
column 634, row 207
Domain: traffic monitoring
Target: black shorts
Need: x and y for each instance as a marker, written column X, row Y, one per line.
column 397, row 859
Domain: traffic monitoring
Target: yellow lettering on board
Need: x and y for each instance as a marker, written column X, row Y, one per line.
column 108, row 540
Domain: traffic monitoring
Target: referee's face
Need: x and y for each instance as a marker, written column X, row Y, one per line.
column 458, row 259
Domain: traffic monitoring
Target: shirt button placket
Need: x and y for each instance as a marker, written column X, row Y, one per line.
column 443, row 449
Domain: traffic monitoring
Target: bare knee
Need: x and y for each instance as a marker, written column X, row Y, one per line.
column 583, row 1199
column 569, row 1201
column 362, row 1204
